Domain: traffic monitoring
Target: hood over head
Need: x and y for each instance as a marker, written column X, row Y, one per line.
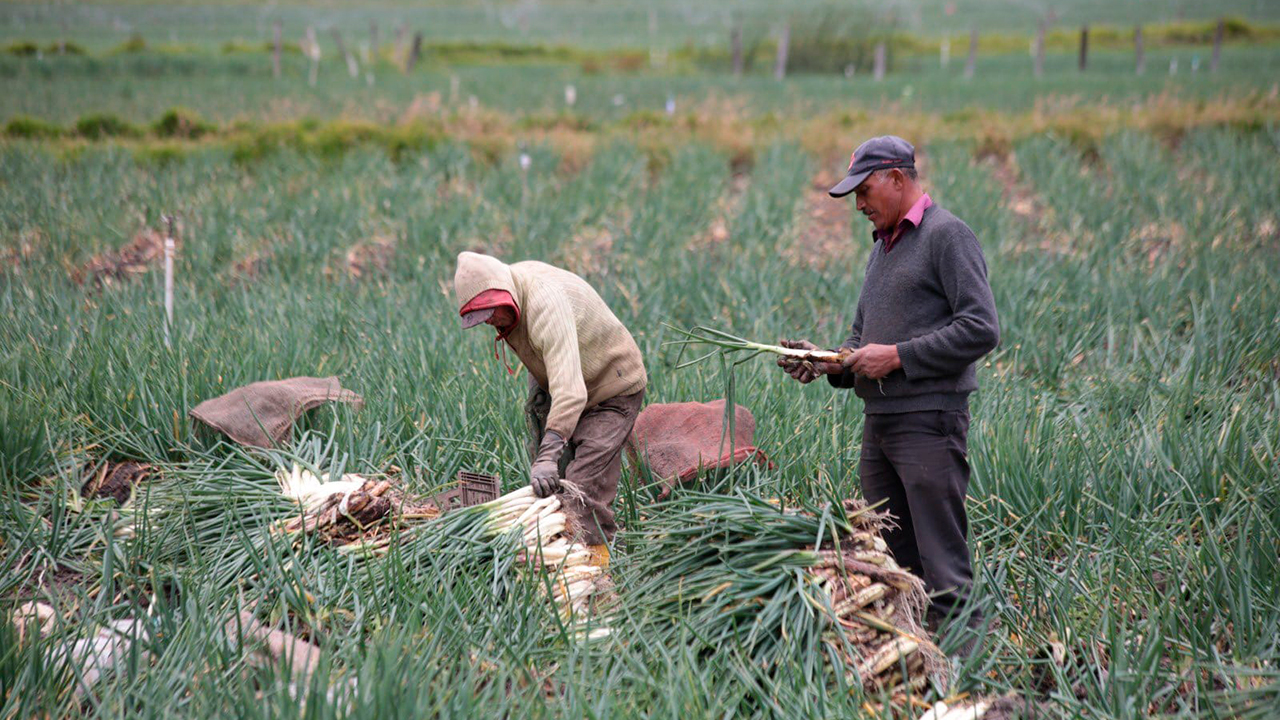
column 477, row 273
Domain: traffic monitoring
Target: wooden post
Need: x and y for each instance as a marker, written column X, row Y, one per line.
column 1039, row 61
column 971, row 64
column 878, row 68
column 653, row 36
column 373, row 42
column 170, row 248
column 735, row 41
column 277, row 48
column 944, row 53
column 784, row 46
column 1217, row 45
column 415, row 51
column 353, row 68
column 313, row 52
column 1139, row 52
column 1084, row 47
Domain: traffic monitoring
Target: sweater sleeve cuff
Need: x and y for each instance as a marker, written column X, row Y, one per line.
column 843, row 381
column 907, row 356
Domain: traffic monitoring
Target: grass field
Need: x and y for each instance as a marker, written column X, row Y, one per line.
column 1125, row 501
column 1125, row 498
column 101, row 25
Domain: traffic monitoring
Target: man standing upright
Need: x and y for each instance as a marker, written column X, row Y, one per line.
column 924, row 318
column 586, row 379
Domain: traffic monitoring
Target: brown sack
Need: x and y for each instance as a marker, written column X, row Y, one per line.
column 262, row 413
column 677, row 440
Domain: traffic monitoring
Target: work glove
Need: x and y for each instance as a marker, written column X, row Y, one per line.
column 544, row 475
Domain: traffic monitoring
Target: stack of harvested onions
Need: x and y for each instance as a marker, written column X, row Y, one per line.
column 811, row 584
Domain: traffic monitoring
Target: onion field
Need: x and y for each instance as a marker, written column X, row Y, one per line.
column 1125, row 499
column 1125, row 441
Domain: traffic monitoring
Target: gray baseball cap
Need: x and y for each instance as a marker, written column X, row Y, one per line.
column 878, row 153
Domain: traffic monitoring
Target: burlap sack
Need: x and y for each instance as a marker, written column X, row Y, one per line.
column 262, row 413
column 678, row 440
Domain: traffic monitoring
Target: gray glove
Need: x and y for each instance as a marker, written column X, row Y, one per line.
column 544, row 475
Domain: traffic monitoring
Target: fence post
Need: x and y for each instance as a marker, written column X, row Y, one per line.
column 1139, row 53
column 944, row 53
column 971, row 63
column 170, row 249
column 1039, row 61
column 373, row 42
column 1217, row 45
column 353, row 68
column 653, row 35
column 400, row 49
column 1084, row 47
column 784, row 46
column 415, row 51
column 735, row 39
column 313, row 52
column 879, row 62
column 276, row 49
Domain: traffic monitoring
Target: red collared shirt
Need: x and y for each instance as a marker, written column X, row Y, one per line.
column 912, row 218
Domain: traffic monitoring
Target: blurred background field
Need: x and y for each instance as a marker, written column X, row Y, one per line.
column 1125, row 502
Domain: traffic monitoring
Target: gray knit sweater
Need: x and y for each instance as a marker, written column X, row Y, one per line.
column 929, row 296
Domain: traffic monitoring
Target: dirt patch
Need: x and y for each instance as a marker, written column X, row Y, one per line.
column 251, row 266
column 144, row 252
column 114, row 480
column 727, row 207
column 1040, row 231
column 20, row 250
column 370, row 258
column 1156, row 239
column 823, row 233
column 588, row 251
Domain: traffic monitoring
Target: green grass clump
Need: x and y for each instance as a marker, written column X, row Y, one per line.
column 181, row 123
column 22, row 48
column 104, row 125
column 29, row 128
column 135, row 44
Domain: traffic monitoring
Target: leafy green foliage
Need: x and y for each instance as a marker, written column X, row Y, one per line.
column 1124, row 497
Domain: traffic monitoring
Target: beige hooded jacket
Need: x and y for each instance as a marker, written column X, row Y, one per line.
column 569, row 340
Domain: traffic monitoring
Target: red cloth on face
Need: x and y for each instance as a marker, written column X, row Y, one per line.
column 912, row 218
column 495, row 299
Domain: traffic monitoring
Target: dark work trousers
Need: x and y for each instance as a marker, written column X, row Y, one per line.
column 592, row 458
column 918, row 464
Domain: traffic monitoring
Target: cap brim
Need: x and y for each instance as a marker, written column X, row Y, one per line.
column 475, row 317
column 848, row 184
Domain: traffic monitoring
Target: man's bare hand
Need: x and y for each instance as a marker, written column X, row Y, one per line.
column 874, row 361
column 803, row 371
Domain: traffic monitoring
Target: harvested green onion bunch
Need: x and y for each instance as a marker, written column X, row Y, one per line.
column 534, row 532
column 775, row 583
column 725, row 344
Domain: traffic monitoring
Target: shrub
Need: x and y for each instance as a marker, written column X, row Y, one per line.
column 180, row 122
column 134, row 44
column 103, row 125
column 22, row 48
column 26, row 127
column 68, row 48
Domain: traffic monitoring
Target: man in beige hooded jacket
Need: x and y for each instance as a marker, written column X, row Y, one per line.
column 587, row 377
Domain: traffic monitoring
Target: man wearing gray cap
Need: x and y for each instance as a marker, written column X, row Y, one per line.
column 924, row 318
